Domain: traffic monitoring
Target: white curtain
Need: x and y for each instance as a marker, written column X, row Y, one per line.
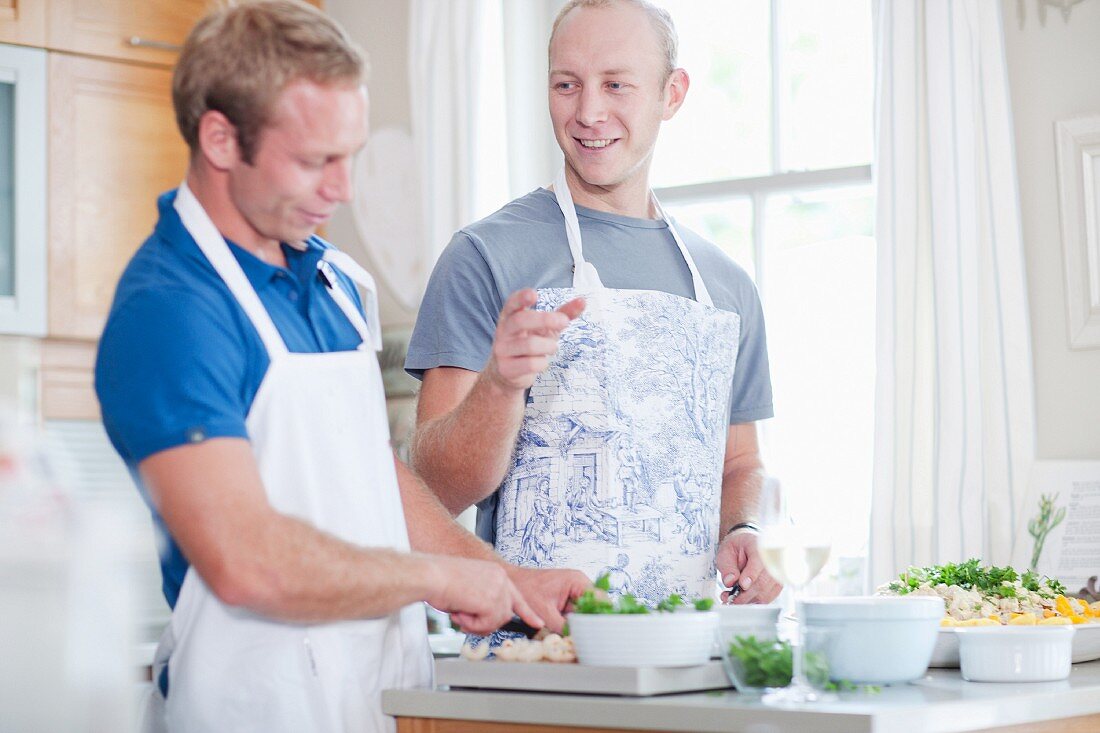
column 456, row 86
column 954, row 433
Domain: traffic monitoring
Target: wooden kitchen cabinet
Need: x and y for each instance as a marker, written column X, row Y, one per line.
column 151, row 31
column 113, row 148
column 67, row 374
column 135, row 30
column 23, row 22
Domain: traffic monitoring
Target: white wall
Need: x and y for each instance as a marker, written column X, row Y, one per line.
column 1053, row 74
column 381, row 27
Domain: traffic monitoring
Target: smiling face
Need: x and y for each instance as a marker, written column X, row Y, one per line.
column 301, row 169
column 608, row 95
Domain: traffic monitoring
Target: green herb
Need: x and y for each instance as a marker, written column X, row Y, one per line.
column 671, row 603
column 591, row 602
column 763, row 664
column 770, row 664
column 630, row 604
column 596, row 600
column 971, row 575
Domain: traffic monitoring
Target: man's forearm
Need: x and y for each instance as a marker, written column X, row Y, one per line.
column 741, row 497
column 431, row 527
column 464, row 454
column 295, row 572
column 742, row 479
column 741, row 483
column 213, row 501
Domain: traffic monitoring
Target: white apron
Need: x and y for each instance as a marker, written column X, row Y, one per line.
column 319, row 432
column 618, row 466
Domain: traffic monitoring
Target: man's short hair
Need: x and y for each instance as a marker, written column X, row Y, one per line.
column 238, row 60
column 658, row 17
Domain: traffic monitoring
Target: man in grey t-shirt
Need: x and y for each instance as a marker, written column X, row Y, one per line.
column 479, row 347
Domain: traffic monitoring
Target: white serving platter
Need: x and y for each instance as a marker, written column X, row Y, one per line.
column 1086, row 646
column 579, row 678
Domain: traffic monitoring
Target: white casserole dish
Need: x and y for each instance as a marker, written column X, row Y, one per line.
column 1086, row 645
column 1015, row 653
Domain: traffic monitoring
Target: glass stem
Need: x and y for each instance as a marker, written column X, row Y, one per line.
column 798, row 679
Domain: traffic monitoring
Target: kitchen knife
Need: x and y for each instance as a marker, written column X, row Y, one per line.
column 519, row 626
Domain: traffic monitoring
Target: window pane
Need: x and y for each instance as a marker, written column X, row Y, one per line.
column 819, row 301
column 724, row 129
column 727, row 223
column 795, row 220
column 7, row 191
column 826, row 83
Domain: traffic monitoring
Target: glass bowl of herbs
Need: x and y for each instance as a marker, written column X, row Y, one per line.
column 755, row 666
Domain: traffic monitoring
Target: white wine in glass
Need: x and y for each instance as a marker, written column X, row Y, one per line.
column 794, row 555
column 795, row 565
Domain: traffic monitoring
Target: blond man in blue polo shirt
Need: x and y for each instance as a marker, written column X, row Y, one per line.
column 238, row 380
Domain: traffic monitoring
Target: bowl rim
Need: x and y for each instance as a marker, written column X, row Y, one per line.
column 1005, row 629
column 872, row 608
column 1075, row 627
column 679, row 616
column 760, row 608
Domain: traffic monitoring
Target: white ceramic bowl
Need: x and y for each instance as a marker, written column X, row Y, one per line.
column 878, row 640
column 679, row 639
column 1086, row 645
column 1015, row 653
column 748, row 619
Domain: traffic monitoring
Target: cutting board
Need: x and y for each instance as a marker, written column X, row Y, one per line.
column 579, row 678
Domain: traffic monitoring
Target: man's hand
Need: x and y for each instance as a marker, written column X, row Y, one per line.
column 526, row 340
column 550, row 592
column 739, row 562
column 478, row 594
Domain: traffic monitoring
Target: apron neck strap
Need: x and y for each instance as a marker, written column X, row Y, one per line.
column 585, row 277
column 371, row 328
column 213, row 245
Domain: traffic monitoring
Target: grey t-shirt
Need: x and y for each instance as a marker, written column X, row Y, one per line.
column 523, row 245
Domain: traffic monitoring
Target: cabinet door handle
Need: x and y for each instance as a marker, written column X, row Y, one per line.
column 139, row 42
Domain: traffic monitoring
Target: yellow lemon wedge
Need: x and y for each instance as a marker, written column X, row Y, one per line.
column 1023, row 619
column 1056, row 621
column 979, row 622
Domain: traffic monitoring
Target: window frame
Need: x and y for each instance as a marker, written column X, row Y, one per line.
column 757, row 189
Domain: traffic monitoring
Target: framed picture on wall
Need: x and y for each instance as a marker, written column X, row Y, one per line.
column 1078, row 142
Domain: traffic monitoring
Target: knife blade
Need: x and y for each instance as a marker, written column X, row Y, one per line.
column 519, row 626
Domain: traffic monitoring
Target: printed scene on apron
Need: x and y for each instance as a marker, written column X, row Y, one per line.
column 617, row 469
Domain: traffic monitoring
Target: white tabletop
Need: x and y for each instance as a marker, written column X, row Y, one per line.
column 941, row 702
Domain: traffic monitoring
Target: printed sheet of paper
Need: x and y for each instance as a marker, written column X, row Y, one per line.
column 1059, row 532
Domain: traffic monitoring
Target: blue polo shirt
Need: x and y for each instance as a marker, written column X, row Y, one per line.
column 180, row 362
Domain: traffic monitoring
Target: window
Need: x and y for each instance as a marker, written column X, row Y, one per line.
column 770, row 159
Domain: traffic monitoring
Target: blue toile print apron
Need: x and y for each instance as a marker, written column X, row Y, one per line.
column 618, row 465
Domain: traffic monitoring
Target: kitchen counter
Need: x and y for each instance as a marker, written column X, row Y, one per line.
column 941, row 702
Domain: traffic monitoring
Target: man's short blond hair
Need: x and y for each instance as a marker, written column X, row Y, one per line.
column 237, row 60
column 658, row 17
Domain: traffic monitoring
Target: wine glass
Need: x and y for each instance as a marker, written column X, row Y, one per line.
column 794, row 555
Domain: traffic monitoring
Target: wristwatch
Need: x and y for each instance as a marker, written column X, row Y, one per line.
column 743, row 527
